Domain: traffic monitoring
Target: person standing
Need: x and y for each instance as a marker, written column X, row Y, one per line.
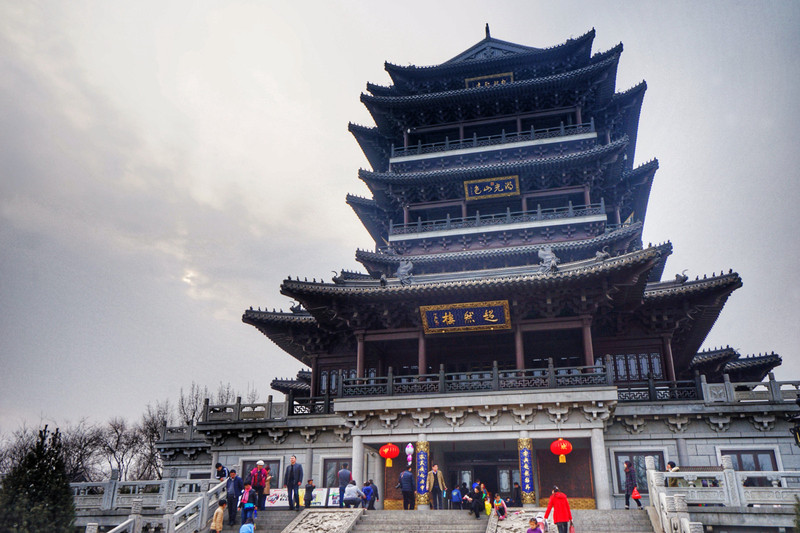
column 308, row 495
column 259, row 479
column 219, row 517
column 406, row 484
column 562, row 514
column 344, row 477
column 234, row 486
column 292, row 479
column 630, row 484
column 367, row 490
column 455, row 498
column 374, row 498
column 247, row 502
column 435, row 487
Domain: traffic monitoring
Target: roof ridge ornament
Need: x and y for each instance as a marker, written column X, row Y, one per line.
column 488, row 35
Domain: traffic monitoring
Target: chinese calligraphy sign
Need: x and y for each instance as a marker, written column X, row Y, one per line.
column 472, row 316
column 491, row 188
column 489, row 81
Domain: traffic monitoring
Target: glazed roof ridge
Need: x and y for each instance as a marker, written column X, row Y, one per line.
column 447, row 65
column 638, row 88
column 643, row 168
column 628, row 230
column 360, row 127
column 754, row 361
column 484, row 279
column 279, row 316
column 353, row 198
column 670, row 287
column 533, row 82
column 598, row 150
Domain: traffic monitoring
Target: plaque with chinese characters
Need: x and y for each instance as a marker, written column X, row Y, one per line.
column 472, row 316
column 491, row 188
column 489, row 81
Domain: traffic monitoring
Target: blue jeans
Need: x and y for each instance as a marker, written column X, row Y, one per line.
column 341, row 495
column 248, row 513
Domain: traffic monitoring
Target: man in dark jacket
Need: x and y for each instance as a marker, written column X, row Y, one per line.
column 292, row 479
column 407, row 487
column 234, row 487
column 344, row 477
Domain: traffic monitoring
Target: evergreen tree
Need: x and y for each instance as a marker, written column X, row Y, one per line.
column 35, row 495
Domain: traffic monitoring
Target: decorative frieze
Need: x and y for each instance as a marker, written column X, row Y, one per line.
column 633, row 424
column 558, row 413
column 278, row 435
column 596, row 411
column 677, row 423
column 763, row 422
column 311, row 434
column 719, row 422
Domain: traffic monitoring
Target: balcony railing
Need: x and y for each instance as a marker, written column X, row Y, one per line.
column 491, row 140
column 509, row 217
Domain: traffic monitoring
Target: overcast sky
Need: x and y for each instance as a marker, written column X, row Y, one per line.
column 164, row 166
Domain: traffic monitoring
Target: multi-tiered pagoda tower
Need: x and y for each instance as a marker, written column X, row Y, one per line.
column 508, row 299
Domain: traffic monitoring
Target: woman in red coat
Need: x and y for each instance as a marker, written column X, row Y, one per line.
column 562, row 515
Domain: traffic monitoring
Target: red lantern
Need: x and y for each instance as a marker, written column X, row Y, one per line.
column 389, row 452
column 561, row 448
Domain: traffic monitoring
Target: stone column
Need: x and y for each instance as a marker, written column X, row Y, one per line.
column 683, row 451
column 379, row 481
column 602, row 485
column 360, row 355
column 519, row 348
column 423, row 457
column 422, row 359
column 358, row 459
column 525, row 453
column 308, row 468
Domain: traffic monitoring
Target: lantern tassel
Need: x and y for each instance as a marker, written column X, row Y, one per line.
column 388, row 463
column 562, row 458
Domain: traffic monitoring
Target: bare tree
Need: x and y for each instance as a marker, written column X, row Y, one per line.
column 148, row 462
column 252, row 393
column 121, row 442
column 14, row 447
column 225, row 394
column 83, row 446
column 190, row 404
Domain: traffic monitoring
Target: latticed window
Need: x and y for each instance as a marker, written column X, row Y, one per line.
column 637, row 366
column 332, row 467
column 753, row 460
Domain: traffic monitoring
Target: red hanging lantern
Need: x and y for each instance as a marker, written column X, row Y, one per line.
column 561, row 448
column 389, row 452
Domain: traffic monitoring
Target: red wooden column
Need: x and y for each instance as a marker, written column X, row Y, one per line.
column 588, row 350
column 667, row 342
column 422, row 360
column 519, row 348
column 360, row 355
column 314, row 374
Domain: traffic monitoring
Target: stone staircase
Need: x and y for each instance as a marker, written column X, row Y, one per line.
column 269, row 521
column 420, row 522
column 586, row 521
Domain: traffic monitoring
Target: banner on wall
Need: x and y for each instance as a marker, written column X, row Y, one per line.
column 320, row 497
column 276, row 499
column 333, row 497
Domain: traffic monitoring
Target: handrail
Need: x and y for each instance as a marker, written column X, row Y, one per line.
column 509, row 217
column 490, row 140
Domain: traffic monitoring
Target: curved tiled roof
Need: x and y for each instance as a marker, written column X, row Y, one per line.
column 674, row 289
column 468, row 255
column 534, row 54
column 517, row 88
column 373, row 290
column 535, row 165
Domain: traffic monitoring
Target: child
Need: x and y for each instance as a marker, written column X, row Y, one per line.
column 455, row 498
column 309, row 494
column 499, row 507
column 219, row 517
column 248, row 526
column 375, row 497
column 537, row 524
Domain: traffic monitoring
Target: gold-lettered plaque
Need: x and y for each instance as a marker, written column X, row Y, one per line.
column 471, row 316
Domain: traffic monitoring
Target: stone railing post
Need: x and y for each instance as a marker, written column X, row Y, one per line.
column 269, row 407
column 733, row 489
column 205, row 410
column 775, row 395
column 609, row 370
column 109, row 489
column 442, row 387
column 92, row 528
column 730, row 392
column 495, row 376
column 551, row 373
column 238, row 409
column 136, row 515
